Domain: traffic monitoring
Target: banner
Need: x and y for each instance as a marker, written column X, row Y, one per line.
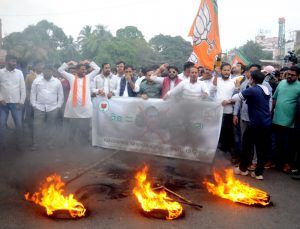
column 186, row 129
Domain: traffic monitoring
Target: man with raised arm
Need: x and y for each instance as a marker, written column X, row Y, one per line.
column 79, row 108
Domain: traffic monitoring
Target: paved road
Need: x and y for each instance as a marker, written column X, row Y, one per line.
column 106, row 191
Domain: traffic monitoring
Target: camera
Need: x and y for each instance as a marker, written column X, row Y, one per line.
column 291, row 57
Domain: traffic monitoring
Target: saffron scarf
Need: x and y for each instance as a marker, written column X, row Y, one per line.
column 75, row 94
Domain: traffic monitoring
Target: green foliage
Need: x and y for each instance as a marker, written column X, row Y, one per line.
column 45, row 41
column 173, row 50
column 254, row 52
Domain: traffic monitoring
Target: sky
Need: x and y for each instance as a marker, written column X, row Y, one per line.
column 239, row 20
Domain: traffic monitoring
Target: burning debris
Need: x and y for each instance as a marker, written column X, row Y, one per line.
column 51, row 196
column 236, row 191
column 156, row 204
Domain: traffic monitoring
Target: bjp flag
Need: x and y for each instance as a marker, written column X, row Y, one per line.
column 205, row 34
column 239, row 58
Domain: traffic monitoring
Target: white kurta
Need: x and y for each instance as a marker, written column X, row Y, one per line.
column 190, row 90
column 79, row 111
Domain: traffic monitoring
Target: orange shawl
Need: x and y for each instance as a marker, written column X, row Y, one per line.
column 75, row 94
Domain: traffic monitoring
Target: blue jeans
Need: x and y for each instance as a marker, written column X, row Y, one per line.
column 16, row 113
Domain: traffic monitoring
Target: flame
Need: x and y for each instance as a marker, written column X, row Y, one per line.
column 51, row 196
column 236, row 191
column 154, row 201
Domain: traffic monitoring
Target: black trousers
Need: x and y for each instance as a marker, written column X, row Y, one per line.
column 227, row 135
column 285, row 145
column 260, row 137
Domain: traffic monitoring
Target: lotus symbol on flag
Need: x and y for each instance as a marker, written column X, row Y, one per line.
column 203, row 27
column 193, row 58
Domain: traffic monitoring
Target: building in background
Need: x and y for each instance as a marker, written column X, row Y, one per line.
column 269, row 44
column 293, row 42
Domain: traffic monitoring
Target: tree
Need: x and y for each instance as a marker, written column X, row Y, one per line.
column 172, row 50
column 92, row 42
column 43, row 41
column 129, row 32
column 254, row 52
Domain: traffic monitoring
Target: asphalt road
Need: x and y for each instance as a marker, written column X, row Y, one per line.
column 106, row 190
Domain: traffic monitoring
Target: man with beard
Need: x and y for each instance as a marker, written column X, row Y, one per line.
column 12, row 98
column 224, row 88
column 168, row 83
column 148, row 88
column 79, row 107
column 284, row 100
column 207, row 78
column 106, row 83
column 192, row 89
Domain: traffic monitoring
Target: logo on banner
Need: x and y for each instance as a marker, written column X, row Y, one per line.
column 104, row 106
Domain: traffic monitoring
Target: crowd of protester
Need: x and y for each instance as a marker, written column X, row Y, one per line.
column 261, row 106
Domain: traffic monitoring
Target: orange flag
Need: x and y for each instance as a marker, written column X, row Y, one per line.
column 239, row 58
column 205, row 33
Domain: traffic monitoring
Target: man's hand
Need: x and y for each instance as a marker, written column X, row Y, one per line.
column 165, row 97
column 109, row 95
column 2, row 102
column 163, row 67
column 101, row 92
column 226, row 102
column 235, row 120
column 237, row 84
column 128, row 78
column 72, row 62
column 144, row 96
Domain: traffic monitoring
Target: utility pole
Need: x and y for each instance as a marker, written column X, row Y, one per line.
column 281, row 38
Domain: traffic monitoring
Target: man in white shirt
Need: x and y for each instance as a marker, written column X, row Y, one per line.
column 79, row 107
column 207, row 78
column 106, row 83
column 127, row 83
column 192, row 89
column 138, row 82
column 12, row 98
column 47, row 98
column 185, row 75
column 224, row 88
column 120, row 69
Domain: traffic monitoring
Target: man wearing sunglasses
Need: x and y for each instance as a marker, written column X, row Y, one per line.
column 284, row 101
column 169, row 82
column 192, row 89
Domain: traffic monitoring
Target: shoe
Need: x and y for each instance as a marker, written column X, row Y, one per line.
column 257, row 177
column 252, row 167
column 237, row 171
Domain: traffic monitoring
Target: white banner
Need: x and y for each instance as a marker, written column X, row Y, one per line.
column 186, row 129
